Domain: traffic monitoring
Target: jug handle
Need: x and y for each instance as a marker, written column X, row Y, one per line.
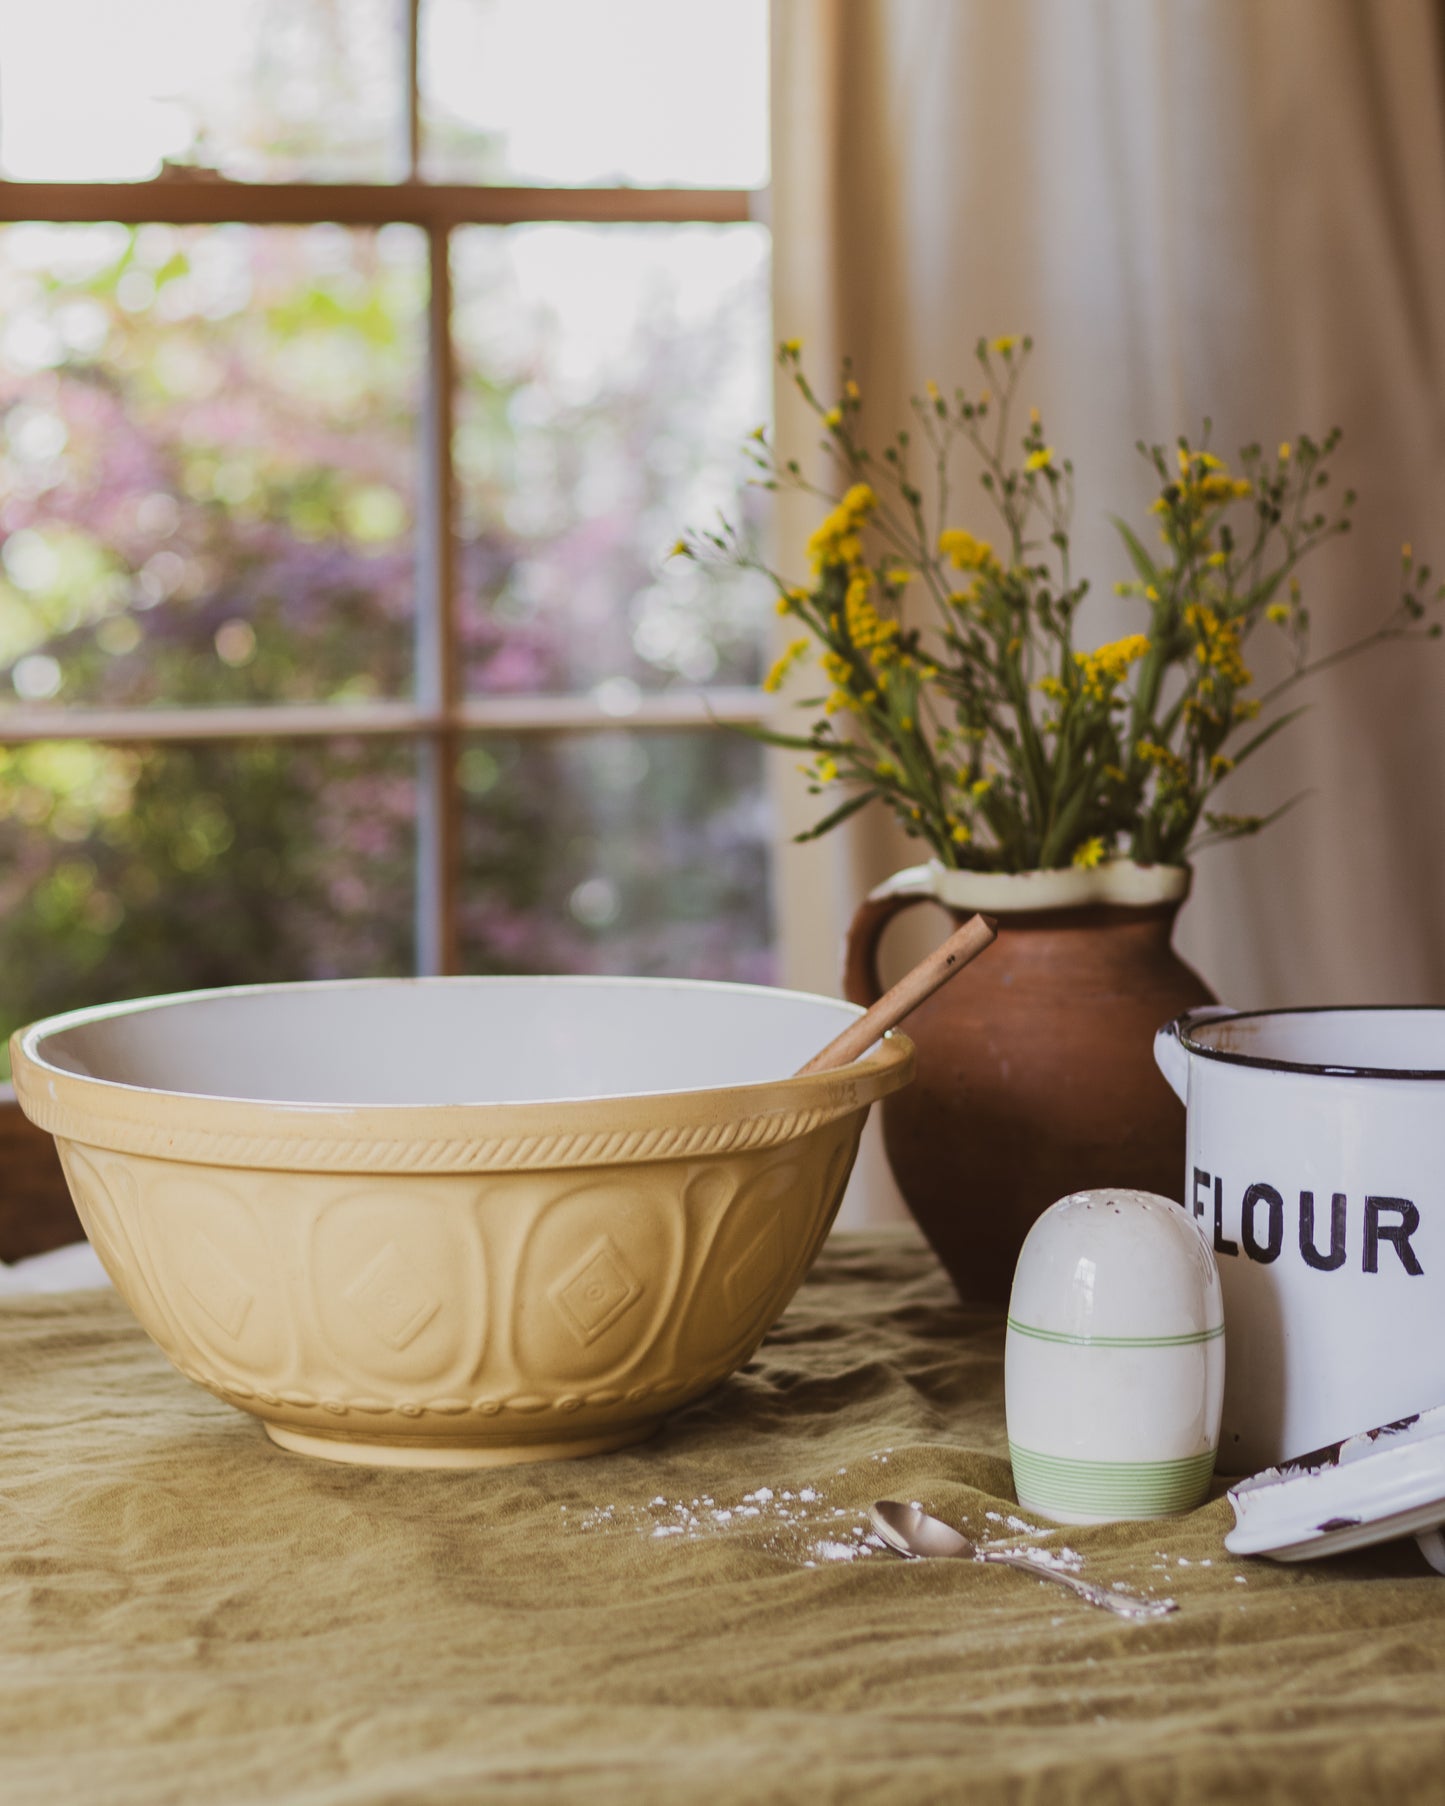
column 1169, row 1051
column 861, row 983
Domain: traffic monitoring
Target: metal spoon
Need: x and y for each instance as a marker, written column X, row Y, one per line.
column 913, row 1532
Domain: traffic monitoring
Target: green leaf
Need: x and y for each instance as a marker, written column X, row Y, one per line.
column 767, row 735
column 1140, row 559
column 1268, row 733
column 1256, row 826
column 841, row 814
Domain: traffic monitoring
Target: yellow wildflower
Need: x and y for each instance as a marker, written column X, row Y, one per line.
column 980, row 786
column 1003, row 346
column 1150, row 593
column 1054, row 688
column 1278, row 612
column 1284, row 451
column 795, row 650
column 1089, row 853
column 827, row 770
column 680, row 550
column 791, row 347
column 1215, row 560
column 1102, row 669
column 1220, row 766
column 850, row 390
column 1222, row 488
column 1171, row 767
column 887, row 770
column 1407, row 552
column 1217, row 645
column 963, row 551
column 932, row 389
column 833, row 418
column 1116, row 774
column 837, row 540
column 898, row 577
column 1197, row 460
column 867, row 630
column 961, row 832
column 1041, row 459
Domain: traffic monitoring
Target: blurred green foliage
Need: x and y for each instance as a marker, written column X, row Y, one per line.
column 207, row 495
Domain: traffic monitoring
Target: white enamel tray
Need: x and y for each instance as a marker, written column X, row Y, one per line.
column 1367, row 1489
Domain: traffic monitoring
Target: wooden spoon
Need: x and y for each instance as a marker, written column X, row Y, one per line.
column 962, row 945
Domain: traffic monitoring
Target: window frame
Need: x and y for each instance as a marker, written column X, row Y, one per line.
column 439, row 714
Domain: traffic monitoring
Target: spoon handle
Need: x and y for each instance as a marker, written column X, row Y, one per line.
column 962, row 945
column 1126, row 1605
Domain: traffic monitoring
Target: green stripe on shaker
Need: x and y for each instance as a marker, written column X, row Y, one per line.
column 1055, row 1335
column 1118, row 1488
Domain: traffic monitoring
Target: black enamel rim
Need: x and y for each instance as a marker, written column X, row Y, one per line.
column 1183, row 1026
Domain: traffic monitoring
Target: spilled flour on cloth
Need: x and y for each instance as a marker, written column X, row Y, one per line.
column 801, row 1524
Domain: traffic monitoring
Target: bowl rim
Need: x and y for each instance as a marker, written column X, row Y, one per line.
column 214, row 1130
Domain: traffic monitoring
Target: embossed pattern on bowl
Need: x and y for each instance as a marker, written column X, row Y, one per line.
column 353, row 1242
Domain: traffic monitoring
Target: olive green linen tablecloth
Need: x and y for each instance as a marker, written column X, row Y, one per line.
column 187, row 1613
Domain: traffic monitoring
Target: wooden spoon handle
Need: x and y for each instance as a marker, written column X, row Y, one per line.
column 962, row 945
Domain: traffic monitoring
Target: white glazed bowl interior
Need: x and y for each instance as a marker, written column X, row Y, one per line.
column 447, row 1042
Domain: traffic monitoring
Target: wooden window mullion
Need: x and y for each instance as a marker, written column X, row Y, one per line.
column 437, row 680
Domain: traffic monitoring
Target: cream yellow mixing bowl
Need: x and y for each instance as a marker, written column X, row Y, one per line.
column 453, row 1222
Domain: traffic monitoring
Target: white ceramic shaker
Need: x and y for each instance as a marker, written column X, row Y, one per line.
column 1114, row 1360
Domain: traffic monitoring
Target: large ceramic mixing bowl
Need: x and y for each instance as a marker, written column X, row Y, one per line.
column 453, row 1222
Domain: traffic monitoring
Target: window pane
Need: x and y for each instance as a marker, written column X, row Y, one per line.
column 128, row 872
column 650, row 92
column 616, row 852
column 106, row 90
column 607, row 378
column 207, row 462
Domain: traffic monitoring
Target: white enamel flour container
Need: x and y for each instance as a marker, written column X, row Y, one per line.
column 1316, row 1166
column 1114, row 1360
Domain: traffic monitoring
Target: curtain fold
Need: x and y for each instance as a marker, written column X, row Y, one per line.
column 1231, row 208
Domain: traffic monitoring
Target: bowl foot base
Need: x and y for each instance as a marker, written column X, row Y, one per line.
column 397, row 1451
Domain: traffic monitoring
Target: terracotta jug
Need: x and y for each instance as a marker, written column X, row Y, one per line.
column 1036, row 1073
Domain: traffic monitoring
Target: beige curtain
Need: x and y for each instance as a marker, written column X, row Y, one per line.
column 1222, row 207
